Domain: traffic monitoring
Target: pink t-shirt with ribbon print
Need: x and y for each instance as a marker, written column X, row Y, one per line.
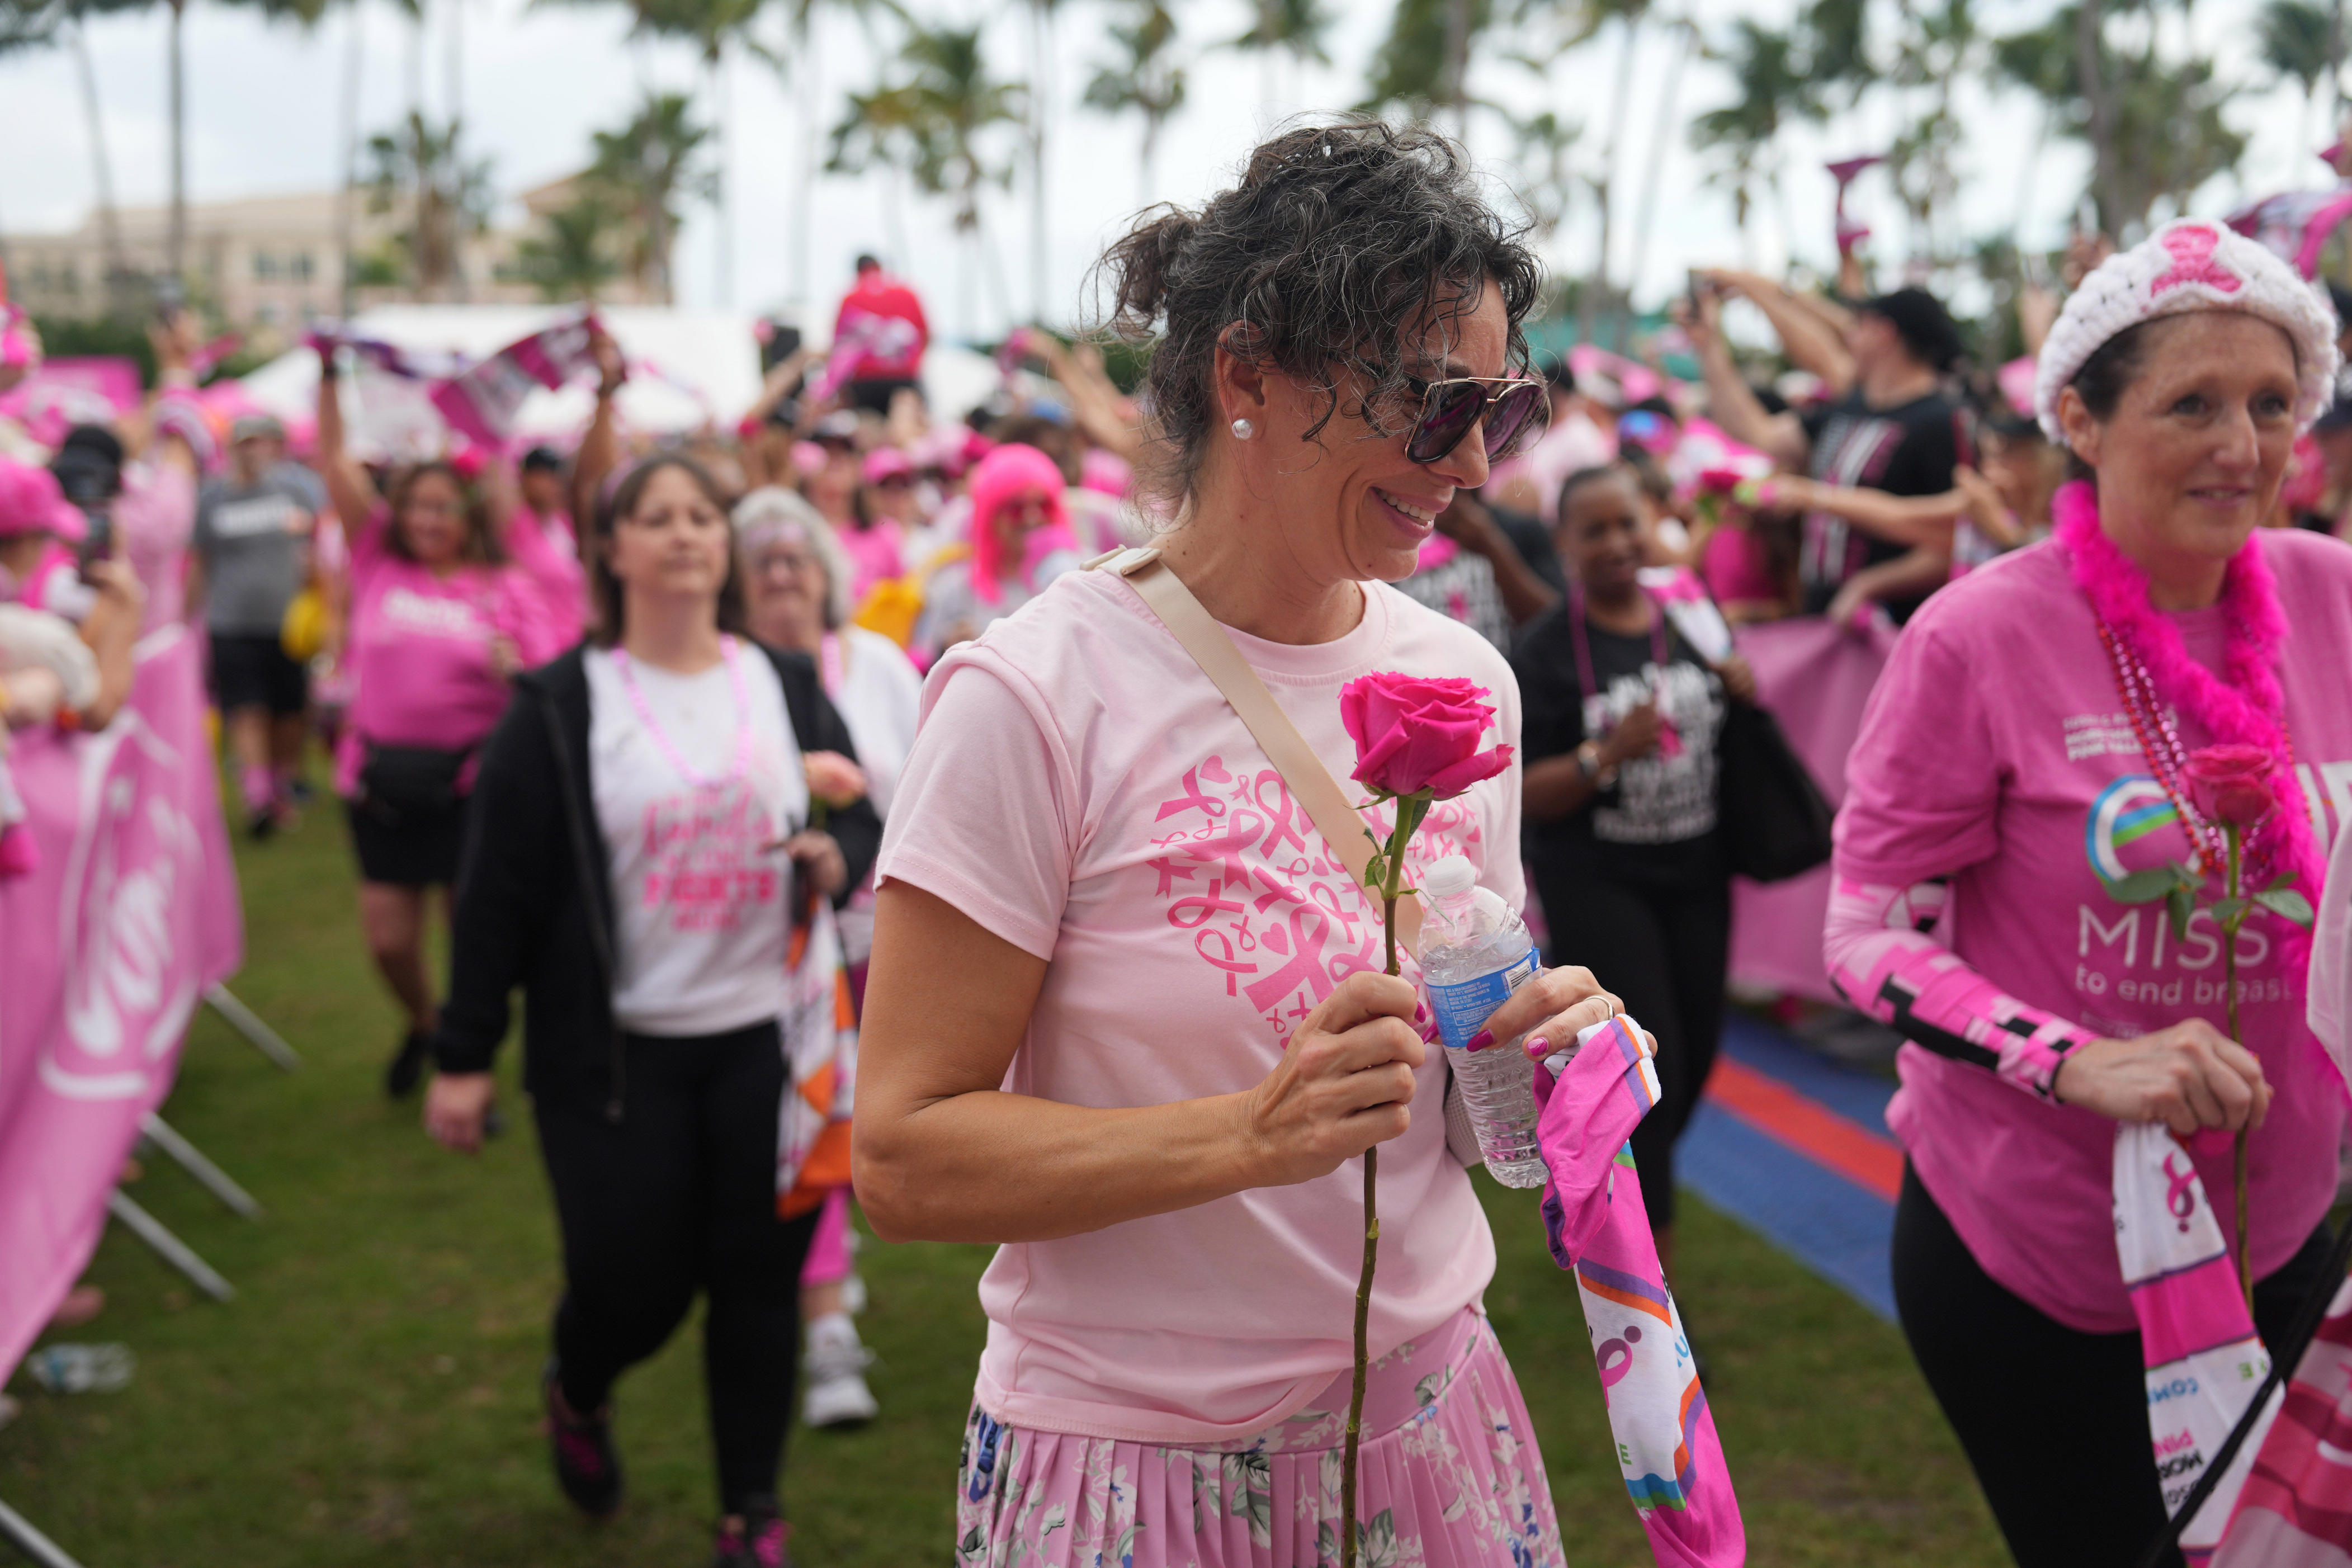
column 1081, row 789
column 419, row 650
column 1997, row 752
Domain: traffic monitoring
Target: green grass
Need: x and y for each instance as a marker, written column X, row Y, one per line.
column 369, row 1396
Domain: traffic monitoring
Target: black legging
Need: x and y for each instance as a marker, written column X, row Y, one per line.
column 1663, row 955
column 682, row 1195
column 2054, row 1421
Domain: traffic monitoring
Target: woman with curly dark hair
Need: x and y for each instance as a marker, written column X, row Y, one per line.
column 1127, row 1017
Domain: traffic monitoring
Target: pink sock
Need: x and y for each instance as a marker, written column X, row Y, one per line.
column 260, row 788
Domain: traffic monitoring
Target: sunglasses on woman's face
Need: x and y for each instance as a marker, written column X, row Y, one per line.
column 1514, row 409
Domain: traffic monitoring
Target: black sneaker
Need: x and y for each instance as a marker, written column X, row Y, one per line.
column 407, row 1065
column 261, row 824
column 757, row 1542
column 587, row 1466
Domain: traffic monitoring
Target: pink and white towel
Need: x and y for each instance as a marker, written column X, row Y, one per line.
column 2204, row 1360
column 1666, row 1446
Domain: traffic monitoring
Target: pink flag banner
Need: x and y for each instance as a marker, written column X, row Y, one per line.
column 2295, row 225
column 2204, row 1361
column 481, row 403
column 63, row 393
column 131, row 912
column 2295, row 1509
column 1667, row 1450
column 1815, row 677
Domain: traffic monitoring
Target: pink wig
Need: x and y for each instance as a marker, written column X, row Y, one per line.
column 1008, row 471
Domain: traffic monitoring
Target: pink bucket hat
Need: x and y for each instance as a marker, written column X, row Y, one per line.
column 2190, row 265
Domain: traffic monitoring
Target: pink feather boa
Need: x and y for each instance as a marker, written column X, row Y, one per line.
column 2244, row 706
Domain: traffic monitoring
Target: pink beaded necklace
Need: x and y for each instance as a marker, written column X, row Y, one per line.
column 2243, row 705
column 668, row 749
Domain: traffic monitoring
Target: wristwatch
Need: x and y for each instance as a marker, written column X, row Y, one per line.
column 1588, row 763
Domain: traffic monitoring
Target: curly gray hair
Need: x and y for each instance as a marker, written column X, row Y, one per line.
column 771, row 512
column 1338, row 237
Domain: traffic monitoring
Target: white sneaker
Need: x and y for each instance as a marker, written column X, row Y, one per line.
column 835, row 1369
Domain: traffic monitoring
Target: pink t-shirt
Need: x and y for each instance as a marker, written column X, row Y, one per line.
column 154, row 517
column 547, row 554
column 873, row 555
column 1996, row 751
column 1082, row 790
column 419, row 650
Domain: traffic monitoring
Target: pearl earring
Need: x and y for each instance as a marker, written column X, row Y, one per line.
column 1244, row 429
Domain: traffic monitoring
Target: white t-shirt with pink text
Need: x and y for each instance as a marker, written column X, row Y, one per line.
column 702, row 907
column 1079, row 788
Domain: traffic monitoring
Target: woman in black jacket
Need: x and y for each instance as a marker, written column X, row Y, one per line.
column 636, row 860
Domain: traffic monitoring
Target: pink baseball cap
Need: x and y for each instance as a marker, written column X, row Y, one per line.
column 887, row 463
column 32, row 503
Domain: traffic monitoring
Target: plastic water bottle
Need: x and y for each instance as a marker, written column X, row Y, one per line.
column 1475, row 951
column 80, row 1369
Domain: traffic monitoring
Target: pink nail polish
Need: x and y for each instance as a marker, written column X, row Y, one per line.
column 1481, row 1040
column 1537, row 1049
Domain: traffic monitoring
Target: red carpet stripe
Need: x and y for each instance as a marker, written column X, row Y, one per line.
column 1808, row 1127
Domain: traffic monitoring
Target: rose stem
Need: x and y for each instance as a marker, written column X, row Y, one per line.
column 2238, row 1145
column 1364, row 1279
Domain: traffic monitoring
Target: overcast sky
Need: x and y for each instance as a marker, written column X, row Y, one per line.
column 264, row 112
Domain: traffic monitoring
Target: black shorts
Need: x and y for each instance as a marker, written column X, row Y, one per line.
column 256, row 672
column 417, row 850
column 874, row 395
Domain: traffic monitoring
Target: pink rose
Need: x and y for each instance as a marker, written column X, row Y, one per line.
column 834, row 778
column 1413, row 734
column 2231, row 785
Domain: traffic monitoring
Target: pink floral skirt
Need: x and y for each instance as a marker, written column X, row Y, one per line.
column 1450, row 1477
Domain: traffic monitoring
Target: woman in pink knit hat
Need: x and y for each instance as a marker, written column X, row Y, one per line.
column 2025, row 753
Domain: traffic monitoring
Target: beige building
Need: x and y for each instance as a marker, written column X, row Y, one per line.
column 262, row 262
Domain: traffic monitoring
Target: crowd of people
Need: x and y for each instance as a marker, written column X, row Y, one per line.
column 772, row 760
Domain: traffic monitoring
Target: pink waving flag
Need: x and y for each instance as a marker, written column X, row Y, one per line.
column 2204, row 1360
column 1666, row 1446
column 2295, row 1510
column 481, row 403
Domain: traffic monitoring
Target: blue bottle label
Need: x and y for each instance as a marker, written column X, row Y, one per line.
column 1463, row 1007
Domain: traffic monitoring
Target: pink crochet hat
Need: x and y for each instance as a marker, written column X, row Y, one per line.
column 2190, row 265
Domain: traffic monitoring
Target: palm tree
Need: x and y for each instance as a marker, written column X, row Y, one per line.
column 647, row 168
column 1297, row 27
column 2155, row 127
column 1147, row 79
column 1040, row 103
column 712, row 28
column 936, row 125
column 573, row 259
column 1422, row 66
column 420, row 175
column 2299, row 44
column 1773, row 92
column 40, row 23
column 1939, row 49
column 1545, row 181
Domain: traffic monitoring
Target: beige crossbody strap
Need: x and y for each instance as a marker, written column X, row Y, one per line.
column 1311, row 782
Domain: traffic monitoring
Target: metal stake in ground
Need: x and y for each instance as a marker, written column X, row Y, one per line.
column 245, row 1022
column 18, row 1532
column 175, row 1251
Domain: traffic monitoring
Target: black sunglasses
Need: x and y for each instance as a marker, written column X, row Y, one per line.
column 1515, row 409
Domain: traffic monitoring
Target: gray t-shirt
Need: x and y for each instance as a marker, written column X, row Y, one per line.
column 254, row 543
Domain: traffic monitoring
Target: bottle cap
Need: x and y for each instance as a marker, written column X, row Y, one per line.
column 1450, row 878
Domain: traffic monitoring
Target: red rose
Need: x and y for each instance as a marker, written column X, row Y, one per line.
column 2231, row 785
column 1413, row 734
